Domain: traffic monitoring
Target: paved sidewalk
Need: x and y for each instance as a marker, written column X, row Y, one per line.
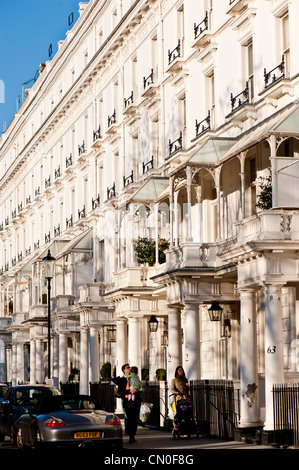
column 148, row 438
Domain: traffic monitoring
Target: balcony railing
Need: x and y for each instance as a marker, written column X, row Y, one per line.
column 240, row 99
column 69, row 222
column 47, row 182
column 146, row 166
column 175, row 53
column 129, row 100
column 69, row 161
column 81, row 148
column 57, row 231
column 81, row 213
column 97, row 134
column 203, row 125
column 47, row 237
column 57, row 172
column 95, row 202
column 112, row 119
column 111, row 192
column 271, row 76
column 201, row 27
column 148, row 80
column 128, row 179
column 176, row 144
column 37, row 192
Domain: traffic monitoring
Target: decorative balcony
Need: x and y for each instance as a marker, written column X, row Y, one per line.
column 47, row 183
column 81, row 213
column 239, row 100
column 129, row 107
column 82, row 153
column 69, row 222
column 192, row 255
column 137, row 276
column 276, row 83
column 202, row 34
column 37, row 192
column 57, row 176
column 147, row 166
column 47, row 237
column 69, row 162
column 203, row 126
column 237, row 6
column 111, row 192
column 111, row 123
column 175, row 145
column 97, row 138
column 175, row 61
column 128, row 179
column 149, row 87
column 57, row 231
column 95, row 202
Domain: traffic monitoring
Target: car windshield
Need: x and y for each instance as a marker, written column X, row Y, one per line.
column 62, row 403
column 28, row 396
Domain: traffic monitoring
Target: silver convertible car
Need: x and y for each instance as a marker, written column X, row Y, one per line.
column 68, row 421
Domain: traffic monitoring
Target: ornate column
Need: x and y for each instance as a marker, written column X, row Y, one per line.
column 174, row 350
column 189, row 186
column 274, row 367
column 14, row 364
column 55, row 365
column 94, row 356
column 133, row 342
column 84, row 389
column 32, row 361
column 249, row 374
column 62, row 367
column 121, row 344
column 192, row 353
column 39, row 361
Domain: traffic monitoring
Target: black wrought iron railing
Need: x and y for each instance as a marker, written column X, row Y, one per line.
column 201, row 27
column 277, row 73
column 203, row 125
column 240, row 99
column 146, row 166
column 175, row 53
column 286, row 414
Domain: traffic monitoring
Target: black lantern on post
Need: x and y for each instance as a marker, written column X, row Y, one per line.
column 153, row 324
column 215, row 311
column 48, row 269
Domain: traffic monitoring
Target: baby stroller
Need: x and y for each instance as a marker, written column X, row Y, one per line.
column 184, row 424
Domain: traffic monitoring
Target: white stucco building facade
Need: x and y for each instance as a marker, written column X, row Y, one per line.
column 158, row 119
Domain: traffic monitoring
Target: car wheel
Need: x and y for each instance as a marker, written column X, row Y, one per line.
column 20, row 440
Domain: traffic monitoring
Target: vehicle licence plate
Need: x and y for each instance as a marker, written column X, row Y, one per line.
column 87, row 435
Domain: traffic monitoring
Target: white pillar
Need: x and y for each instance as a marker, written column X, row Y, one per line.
column 84, row 389
column 274, row 370
column 20, row 363
column 133, row 342
column 55, row 367
column 174, row 351
column 192, row 352
column 39, row 361
column 14, row 364
column 121, row 345
column 62, row 374
column 249, row 374
column 94, row 355
column 32, row 361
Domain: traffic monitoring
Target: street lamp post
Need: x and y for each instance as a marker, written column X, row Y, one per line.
column 48, row 267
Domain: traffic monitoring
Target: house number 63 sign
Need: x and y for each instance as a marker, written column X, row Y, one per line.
column 271, row 350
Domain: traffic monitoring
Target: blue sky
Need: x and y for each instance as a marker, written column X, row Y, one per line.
column 27, row 28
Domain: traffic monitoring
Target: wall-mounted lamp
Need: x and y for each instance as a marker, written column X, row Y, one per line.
column 215, row 311
column 111, row 334
column 153, row 324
